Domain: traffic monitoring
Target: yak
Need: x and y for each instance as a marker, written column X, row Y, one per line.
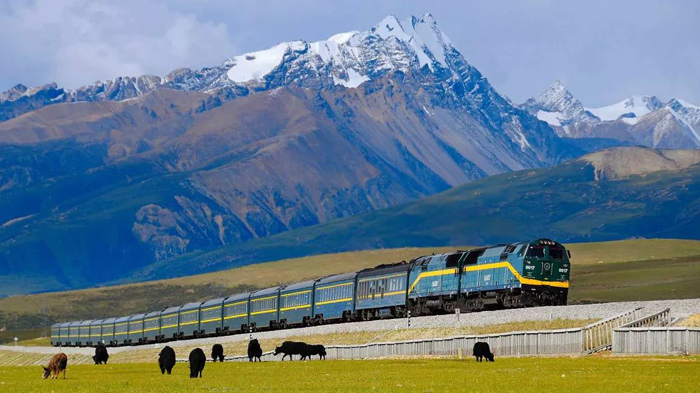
column 197, row 362
column 217, row 353
column 254, row 350
column 166, row 360
column 319, row 350
column 101, row 355
column 57, row 365
column 289, row 348
column 482, row 350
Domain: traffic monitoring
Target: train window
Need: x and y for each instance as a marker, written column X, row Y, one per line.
column 510, row 248
column 556, row 252
column 453, row 260
column 535, row 252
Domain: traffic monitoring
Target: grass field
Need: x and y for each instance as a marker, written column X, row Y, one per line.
column 607, row 271
column 523, row 375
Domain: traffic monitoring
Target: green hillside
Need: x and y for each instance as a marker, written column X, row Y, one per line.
column 566, row 203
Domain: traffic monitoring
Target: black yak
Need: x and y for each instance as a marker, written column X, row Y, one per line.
column 254, row 350
column 166, row 360
column 101, row 355
column 197, row 362
column 217, row 353
column 319, row 350
column 289, row 348
column 482, row 350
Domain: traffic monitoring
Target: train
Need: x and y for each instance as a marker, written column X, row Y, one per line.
column 524, row 274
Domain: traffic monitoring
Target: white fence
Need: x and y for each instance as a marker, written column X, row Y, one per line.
column 527, row 343
column 656, row 340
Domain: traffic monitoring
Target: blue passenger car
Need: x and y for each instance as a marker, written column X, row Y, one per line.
column 83, row 334
column 108, row 331
column 210, row 314
column 95, row 333
column 135, row 335
column 121, row 331
column 151, row 327
column 295, row 304
column 263, row 313
column 169, row 326
column 381, row 291
column 334, row 298
column 56, row 334
column 434, row 283
column 189, row 320
column 74, row 336
column 64, row 330
column 236, row 313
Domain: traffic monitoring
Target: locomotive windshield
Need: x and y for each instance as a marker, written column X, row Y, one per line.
column 535, row 252
column 556, row 252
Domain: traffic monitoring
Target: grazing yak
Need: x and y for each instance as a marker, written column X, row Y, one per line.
column 101, row 355
column 166, row 360
column 197, row 362
column 57, row 365
column 290, row 348
column 217, row 353
column 319, row 350
column 482, row 350
column 254, row 350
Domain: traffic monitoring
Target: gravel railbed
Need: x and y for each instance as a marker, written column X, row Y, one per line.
column 679, row 308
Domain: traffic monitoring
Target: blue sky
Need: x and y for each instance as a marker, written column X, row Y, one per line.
column 602, row 51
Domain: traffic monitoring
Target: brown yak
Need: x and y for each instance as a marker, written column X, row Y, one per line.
column 57, row 365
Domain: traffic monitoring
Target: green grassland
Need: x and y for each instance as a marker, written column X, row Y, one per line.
column 523, row 375
column 605, row 271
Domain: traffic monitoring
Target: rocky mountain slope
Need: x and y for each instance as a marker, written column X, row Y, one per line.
column 101, row 182
column 592, row 198
column 637, row 120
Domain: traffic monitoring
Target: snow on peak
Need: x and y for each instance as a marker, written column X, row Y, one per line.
column 342, row 38
column 628, row 110
column 557, row 106
column 350, row 55
column 255, row 65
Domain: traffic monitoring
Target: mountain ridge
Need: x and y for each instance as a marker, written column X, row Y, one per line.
column 637, row 120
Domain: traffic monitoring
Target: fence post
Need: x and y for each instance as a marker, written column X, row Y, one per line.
column 408, row 318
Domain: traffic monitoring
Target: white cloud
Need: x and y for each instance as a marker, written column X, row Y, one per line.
column 75, row 42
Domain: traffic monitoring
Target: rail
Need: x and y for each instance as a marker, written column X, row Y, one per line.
column 658, row 319
column 598, row 335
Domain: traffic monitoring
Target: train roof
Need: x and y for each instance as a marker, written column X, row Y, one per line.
column 170, row 310
column 76, row 323
column 123, row 319
column 109, row 320
column 65, row 324
column 152, row 314
column 190, row 306
column 238, row 296
column 337, row 277
column 266, row 291
column 213, row 302
column 56, row 325
column 384, row 269
column 136, row 316
column 96, row 322
column 299, row 285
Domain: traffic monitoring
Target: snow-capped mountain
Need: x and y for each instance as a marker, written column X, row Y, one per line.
column 346, row 59
column 640, row 120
